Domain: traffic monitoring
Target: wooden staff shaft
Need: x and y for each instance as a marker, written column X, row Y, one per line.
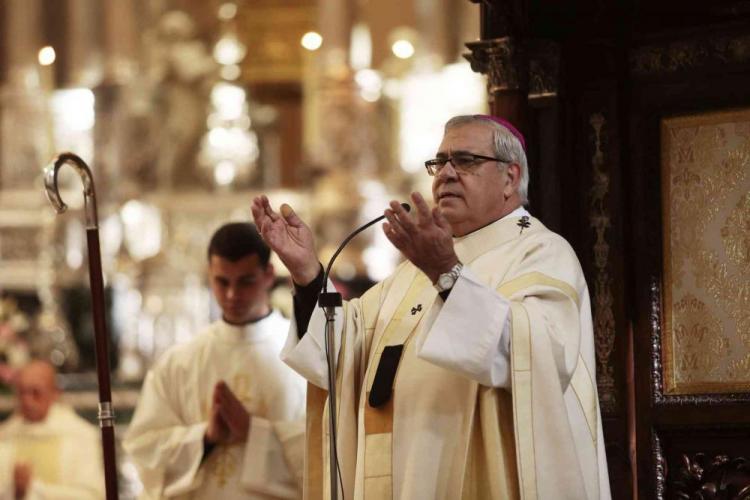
column 101, row 337
column 101, row 340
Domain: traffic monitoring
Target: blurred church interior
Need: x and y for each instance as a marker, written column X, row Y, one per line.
column 186, row 109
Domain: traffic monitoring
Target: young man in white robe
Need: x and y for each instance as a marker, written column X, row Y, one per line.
column 469, row 372
column 46, row 450
column 221, row 416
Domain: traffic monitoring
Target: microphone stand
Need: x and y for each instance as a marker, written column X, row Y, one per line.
column 329, row 301
column 101, row 338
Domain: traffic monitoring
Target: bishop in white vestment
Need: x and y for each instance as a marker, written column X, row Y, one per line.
column 470, row 372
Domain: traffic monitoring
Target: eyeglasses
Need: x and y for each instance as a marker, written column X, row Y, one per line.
column 462, row 162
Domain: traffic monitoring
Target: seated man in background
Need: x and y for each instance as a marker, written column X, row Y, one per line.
column 46, row 450
column 222, row 416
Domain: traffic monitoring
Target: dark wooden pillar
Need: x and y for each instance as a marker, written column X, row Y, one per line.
column 502, row 55
column 523, row 74
column 539, row 61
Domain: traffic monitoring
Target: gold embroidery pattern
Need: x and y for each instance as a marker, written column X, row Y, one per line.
column 700, row 340
column 739, row 367
column 678, row 56
column 736, row 233
column 603, row 300
column 222, row 464
column 240, row 385
column 705, row 165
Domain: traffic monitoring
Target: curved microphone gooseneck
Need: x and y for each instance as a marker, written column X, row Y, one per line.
column 406, row 207
column 328, row 301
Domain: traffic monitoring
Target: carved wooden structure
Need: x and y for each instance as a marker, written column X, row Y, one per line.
column 590, row 84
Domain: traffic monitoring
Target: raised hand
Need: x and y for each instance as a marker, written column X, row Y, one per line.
column 289, row 237
column 233, row 413
column 423, row 236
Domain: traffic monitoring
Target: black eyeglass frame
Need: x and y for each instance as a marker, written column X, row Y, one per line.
column 432, row 165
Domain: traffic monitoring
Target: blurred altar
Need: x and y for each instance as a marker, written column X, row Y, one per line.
column 184, row 111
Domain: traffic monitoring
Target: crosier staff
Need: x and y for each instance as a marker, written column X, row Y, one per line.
column 101, row 337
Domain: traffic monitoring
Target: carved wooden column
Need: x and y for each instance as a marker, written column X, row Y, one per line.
column 523, row 73
column 22, row 33
column 336, row 19
column 120, row 44
column 340, row 134
column 25, row 134
column 502, row 55
column 118, row 152
column 431, row 22
column 84, row 68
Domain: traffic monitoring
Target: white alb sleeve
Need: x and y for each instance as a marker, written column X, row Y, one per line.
column 470, row 332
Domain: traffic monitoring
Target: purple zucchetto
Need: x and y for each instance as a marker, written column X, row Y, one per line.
column 505, row 123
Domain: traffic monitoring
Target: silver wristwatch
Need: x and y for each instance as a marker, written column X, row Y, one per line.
column 446, row 280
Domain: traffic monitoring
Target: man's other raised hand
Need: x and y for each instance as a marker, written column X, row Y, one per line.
column 289, row 237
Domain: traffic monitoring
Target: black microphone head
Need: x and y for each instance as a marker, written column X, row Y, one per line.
column 406, row 206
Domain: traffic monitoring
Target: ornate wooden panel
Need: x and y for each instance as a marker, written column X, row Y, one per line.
column 693, row 408
column 705, row 170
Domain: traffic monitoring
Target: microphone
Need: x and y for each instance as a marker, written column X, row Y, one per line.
column 324, row 295
column 328, row 302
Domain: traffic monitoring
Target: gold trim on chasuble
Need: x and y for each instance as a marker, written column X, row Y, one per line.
column 581, row 381
column 536, row 278
column 222, row 463
column 314, row 476
column 583, row 386
column 522, row 407
column 378, row 467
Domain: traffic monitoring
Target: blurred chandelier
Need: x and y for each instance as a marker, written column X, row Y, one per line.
column 229, row 149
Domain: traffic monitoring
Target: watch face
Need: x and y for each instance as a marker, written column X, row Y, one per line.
column 445, row 281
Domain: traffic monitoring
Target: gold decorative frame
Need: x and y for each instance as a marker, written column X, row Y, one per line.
column 705, row 168
column 271, row 31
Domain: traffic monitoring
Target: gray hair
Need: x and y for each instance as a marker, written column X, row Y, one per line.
column 507, row 146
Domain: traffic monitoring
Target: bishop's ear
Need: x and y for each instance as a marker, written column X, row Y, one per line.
column 513, row 180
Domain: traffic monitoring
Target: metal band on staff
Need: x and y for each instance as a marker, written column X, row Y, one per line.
column 101, row 337
column 106, row 415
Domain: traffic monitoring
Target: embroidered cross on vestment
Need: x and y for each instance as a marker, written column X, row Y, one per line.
column 523, row 223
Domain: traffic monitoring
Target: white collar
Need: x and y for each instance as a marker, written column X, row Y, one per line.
column 471, row 245
column 254, row 331
column 518, row 212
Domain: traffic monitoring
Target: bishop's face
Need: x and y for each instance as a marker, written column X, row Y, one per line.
column 241, row 287
column 482, row 194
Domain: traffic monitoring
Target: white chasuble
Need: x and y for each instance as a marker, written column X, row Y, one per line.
column 494, row 394
column 63, row 451
column 165, row 437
